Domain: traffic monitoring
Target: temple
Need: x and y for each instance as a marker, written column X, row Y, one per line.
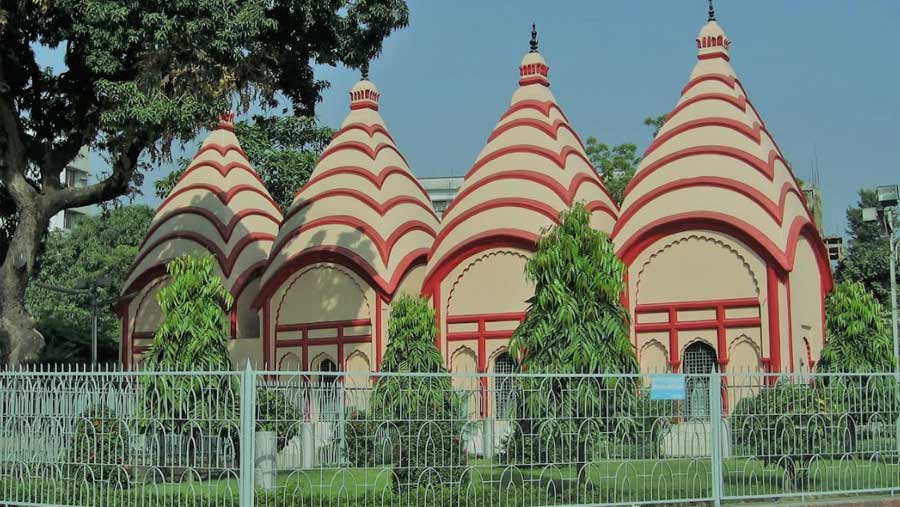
column 725, row 267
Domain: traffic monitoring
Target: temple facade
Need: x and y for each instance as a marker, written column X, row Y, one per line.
column 725, row 267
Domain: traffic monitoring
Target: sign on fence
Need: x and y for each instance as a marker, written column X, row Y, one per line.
column 667, row 387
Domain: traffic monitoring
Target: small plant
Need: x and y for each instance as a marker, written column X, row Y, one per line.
column 277, row 414
column 99, row 451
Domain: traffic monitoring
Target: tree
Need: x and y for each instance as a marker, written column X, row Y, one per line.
column 656, row 123
column 617, row 164
column 858, row 340
column 283, row 150
column 867, row 260
column 138, row 77
column 101, row 245
column 421, row 414
column 575, row 324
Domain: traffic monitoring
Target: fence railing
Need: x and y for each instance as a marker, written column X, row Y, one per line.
column 328, row 439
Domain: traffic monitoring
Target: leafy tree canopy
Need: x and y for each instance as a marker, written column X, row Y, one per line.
column 866, row 259
column 138, row 77
column 283, row 150
column 575, row 322
column 858, row 340
column 617, row 164
column 102, row 245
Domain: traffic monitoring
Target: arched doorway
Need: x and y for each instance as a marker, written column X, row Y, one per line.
column 328, row 389
column 699, row 361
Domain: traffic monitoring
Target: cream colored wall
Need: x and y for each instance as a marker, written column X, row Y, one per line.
column 694, row 266
column 247, row 318
column 492, row 281
column 320, row 293
column 806, row 304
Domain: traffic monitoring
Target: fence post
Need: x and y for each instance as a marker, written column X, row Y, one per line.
column 715, row 430
column 248, row 424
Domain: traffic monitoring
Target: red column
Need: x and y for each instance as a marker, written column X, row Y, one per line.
column 378, row 329
column 674, row 360
column 772, row 283
column 126, row 341
column 482, row 366
column 267, row 337
column 790, row 316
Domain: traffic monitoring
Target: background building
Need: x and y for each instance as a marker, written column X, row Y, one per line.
column 77, row 174
column 441, row 190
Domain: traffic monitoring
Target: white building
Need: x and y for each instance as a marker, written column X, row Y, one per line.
column 77, row 174
column 441, row 190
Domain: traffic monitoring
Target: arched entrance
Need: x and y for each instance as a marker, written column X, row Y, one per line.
column 699, row 362
column 504, row 394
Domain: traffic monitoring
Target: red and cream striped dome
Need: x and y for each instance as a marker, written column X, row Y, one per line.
column 362, row 205
column 714, row 162
column 219, row 205
column 533, row 166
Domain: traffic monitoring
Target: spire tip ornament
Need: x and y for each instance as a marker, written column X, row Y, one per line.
column 364, row 71
column 534, row 39
column 712, row 12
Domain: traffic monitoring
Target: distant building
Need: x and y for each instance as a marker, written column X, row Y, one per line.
column 77, row 174
column 441, row 191
column 813, row 197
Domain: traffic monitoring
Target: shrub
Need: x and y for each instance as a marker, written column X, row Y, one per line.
column 275, row 413
column 100, row 451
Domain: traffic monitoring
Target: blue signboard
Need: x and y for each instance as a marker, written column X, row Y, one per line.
column 667, row 387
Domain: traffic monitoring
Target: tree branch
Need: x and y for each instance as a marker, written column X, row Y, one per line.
column 123, row 168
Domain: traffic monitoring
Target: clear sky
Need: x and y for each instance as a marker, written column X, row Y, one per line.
column 823, row 74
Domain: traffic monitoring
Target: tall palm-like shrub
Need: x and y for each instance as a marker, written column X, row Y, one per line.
column 193, row 336
column 417, row 417
column 575, row 324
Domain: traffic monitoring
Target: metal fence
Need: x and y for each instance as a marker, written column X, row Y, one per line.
column 331, row 439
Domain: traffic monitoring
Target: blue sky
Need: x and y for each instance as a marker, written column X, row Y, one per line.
column 822, row 73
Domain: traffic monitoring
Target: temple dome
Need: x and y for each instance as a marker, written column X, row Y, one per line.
column 362, row 205
column 220, row 206
column 715, row 162
column 533, row 166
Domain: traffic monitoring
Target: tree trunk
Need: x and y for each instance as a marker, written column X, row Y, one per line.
column 19, row 342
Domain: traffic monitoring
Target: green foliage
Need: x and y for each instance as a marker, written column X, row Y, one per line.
column 858, row 340
column 275, row 413
column 616, row 164
column 421, row 416
column 100, row 450
column 101, row 245
column 193, row 336
column 791, row 425
column 282, row 149
column 866, row 259
column 575, row 324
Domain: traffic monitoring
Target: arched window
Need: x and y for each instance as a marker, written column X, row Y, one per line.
column 699, row 361
column 504, row 390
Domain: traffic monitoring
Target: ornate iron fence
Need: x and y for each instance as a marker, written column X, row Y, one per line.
column 278, row 439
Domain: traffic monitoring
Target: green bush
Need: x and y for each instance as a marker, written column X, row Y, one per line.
column 99, row 450
column 275, row 413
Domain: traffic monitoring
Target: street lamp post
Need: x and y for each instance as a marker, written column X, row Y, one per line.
column 888, row 198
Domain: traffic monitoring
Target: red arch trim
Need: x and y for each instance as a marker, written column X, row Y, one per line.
column 496, row 238
column 724, row 78
column 372, row 153
column 752, row 133
column 223, row 169
column 225, row 230
column 543, row 106
column 551, row 130
column 381, row 208
column 343, row 257
column 383, row 245
column 738, row 102
column 558, row 159
column 224, row 197
column 371, row 130
column 766, row 168
column 727, row 224
column 775, row 210
column 225, row 262
column 222, row 150
column 376, row 179
column 567, row 195
column 508, row 202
